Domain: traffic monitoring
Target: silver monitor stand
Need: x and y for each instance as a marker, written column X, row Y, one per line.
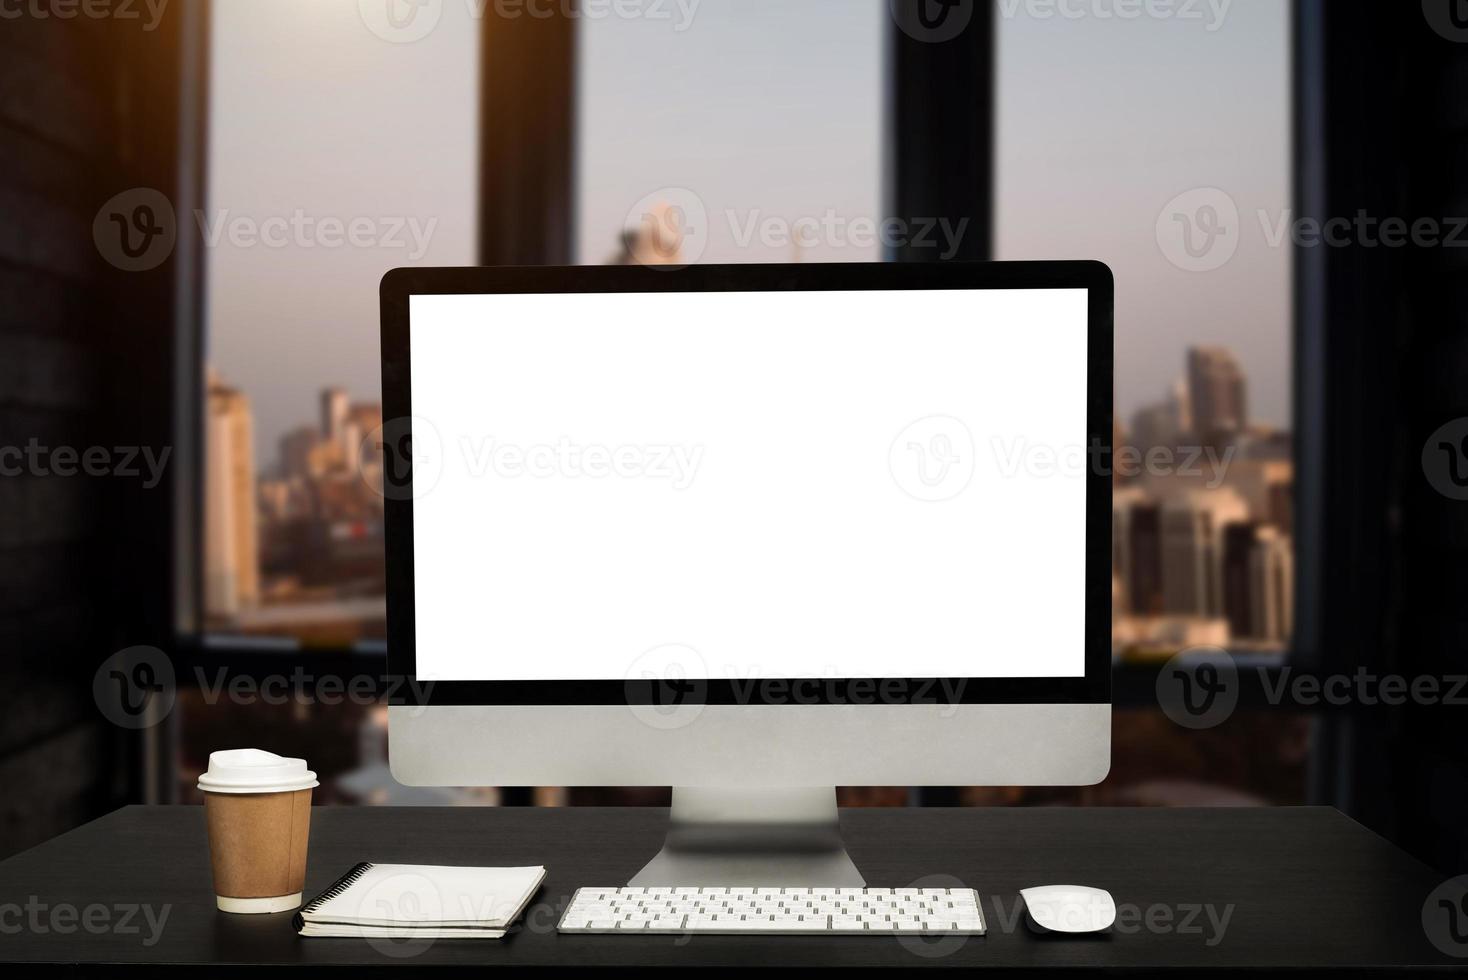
column 752, row 837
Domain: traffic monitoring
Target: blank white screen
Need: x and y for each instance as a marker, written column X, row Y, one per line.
column 772, row 484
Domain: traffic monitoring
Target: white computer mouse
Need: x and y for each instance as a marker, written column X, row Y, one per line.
column 1068, row 908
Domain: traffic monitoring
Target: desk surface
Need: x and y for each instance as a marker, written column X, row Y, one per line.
column 1295, row 887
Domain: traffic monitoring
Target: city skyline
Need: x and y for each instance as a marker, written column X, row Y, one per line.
column 1199, row 557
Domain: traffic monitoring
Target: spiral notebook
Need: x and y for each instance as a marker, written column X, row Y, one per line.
column 409, row 901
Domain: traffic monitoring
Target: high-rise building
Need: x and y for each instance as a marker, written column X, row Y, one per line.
column 334, row 408
column 1259, row 582
column 1217, row 391
column 363, row 420
column 231, row 545
column 1192, row 550
column 295, row 452
column 1167, row 423
column 1180, row 402
column 1123, row 501
column 1267, row 486
column 1238, row 585
column 1144, row 558
column 1272, row 580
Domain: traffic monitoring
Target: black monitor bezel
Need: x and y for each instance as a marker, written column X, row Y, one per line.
column 1093, row 688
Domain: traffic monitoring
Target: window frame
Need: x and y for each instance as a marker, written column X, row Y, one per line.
column 928, row 87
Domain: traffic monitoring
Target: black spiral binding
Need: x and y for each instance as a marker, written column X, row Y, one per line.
column 342, row 884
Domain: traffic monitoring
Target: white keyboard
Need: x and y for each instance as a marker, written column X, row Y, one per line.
column 774, row 911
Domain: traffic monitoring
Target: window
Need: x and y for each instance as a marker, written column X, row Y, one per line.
column 335, row 155
column 754, row 130
column 750, row 133
column 1161, row 145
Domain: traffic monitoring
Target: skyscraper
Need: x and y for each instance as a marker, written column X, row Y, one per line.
column 295, row 452
column 231, row 545
column 1239, row 541
column 1124, row 501
column 1258, row 582
column 334, row 408
column 1192, row 551
column 1166, row 423
column 1272, row 580
column 1144, row 558
column 1217, row 390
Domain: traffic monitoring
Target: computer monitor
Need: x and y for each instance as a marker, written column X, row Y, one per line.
column 752, row 532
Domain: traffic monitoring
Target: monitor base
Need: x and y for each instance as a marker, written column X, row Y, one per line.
column 751, row 838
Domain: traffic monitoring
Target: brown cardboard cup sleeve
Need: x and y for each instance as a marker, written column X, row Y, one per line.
column 258, row 810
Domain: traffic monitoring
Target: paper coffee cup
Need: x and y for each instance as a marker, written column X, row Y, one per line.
column 258, row 808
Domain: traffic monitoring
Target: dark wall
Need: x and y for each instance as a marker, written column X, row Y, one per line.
column 84, row 349
column 1385, row 362
column 1432, row 613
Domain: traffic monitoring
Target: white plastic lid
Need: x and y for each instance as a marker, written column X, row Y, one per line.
column 255, row 771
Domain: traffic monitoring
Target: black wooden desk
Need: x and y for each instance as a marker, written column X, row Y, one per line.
column 1295, row 887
